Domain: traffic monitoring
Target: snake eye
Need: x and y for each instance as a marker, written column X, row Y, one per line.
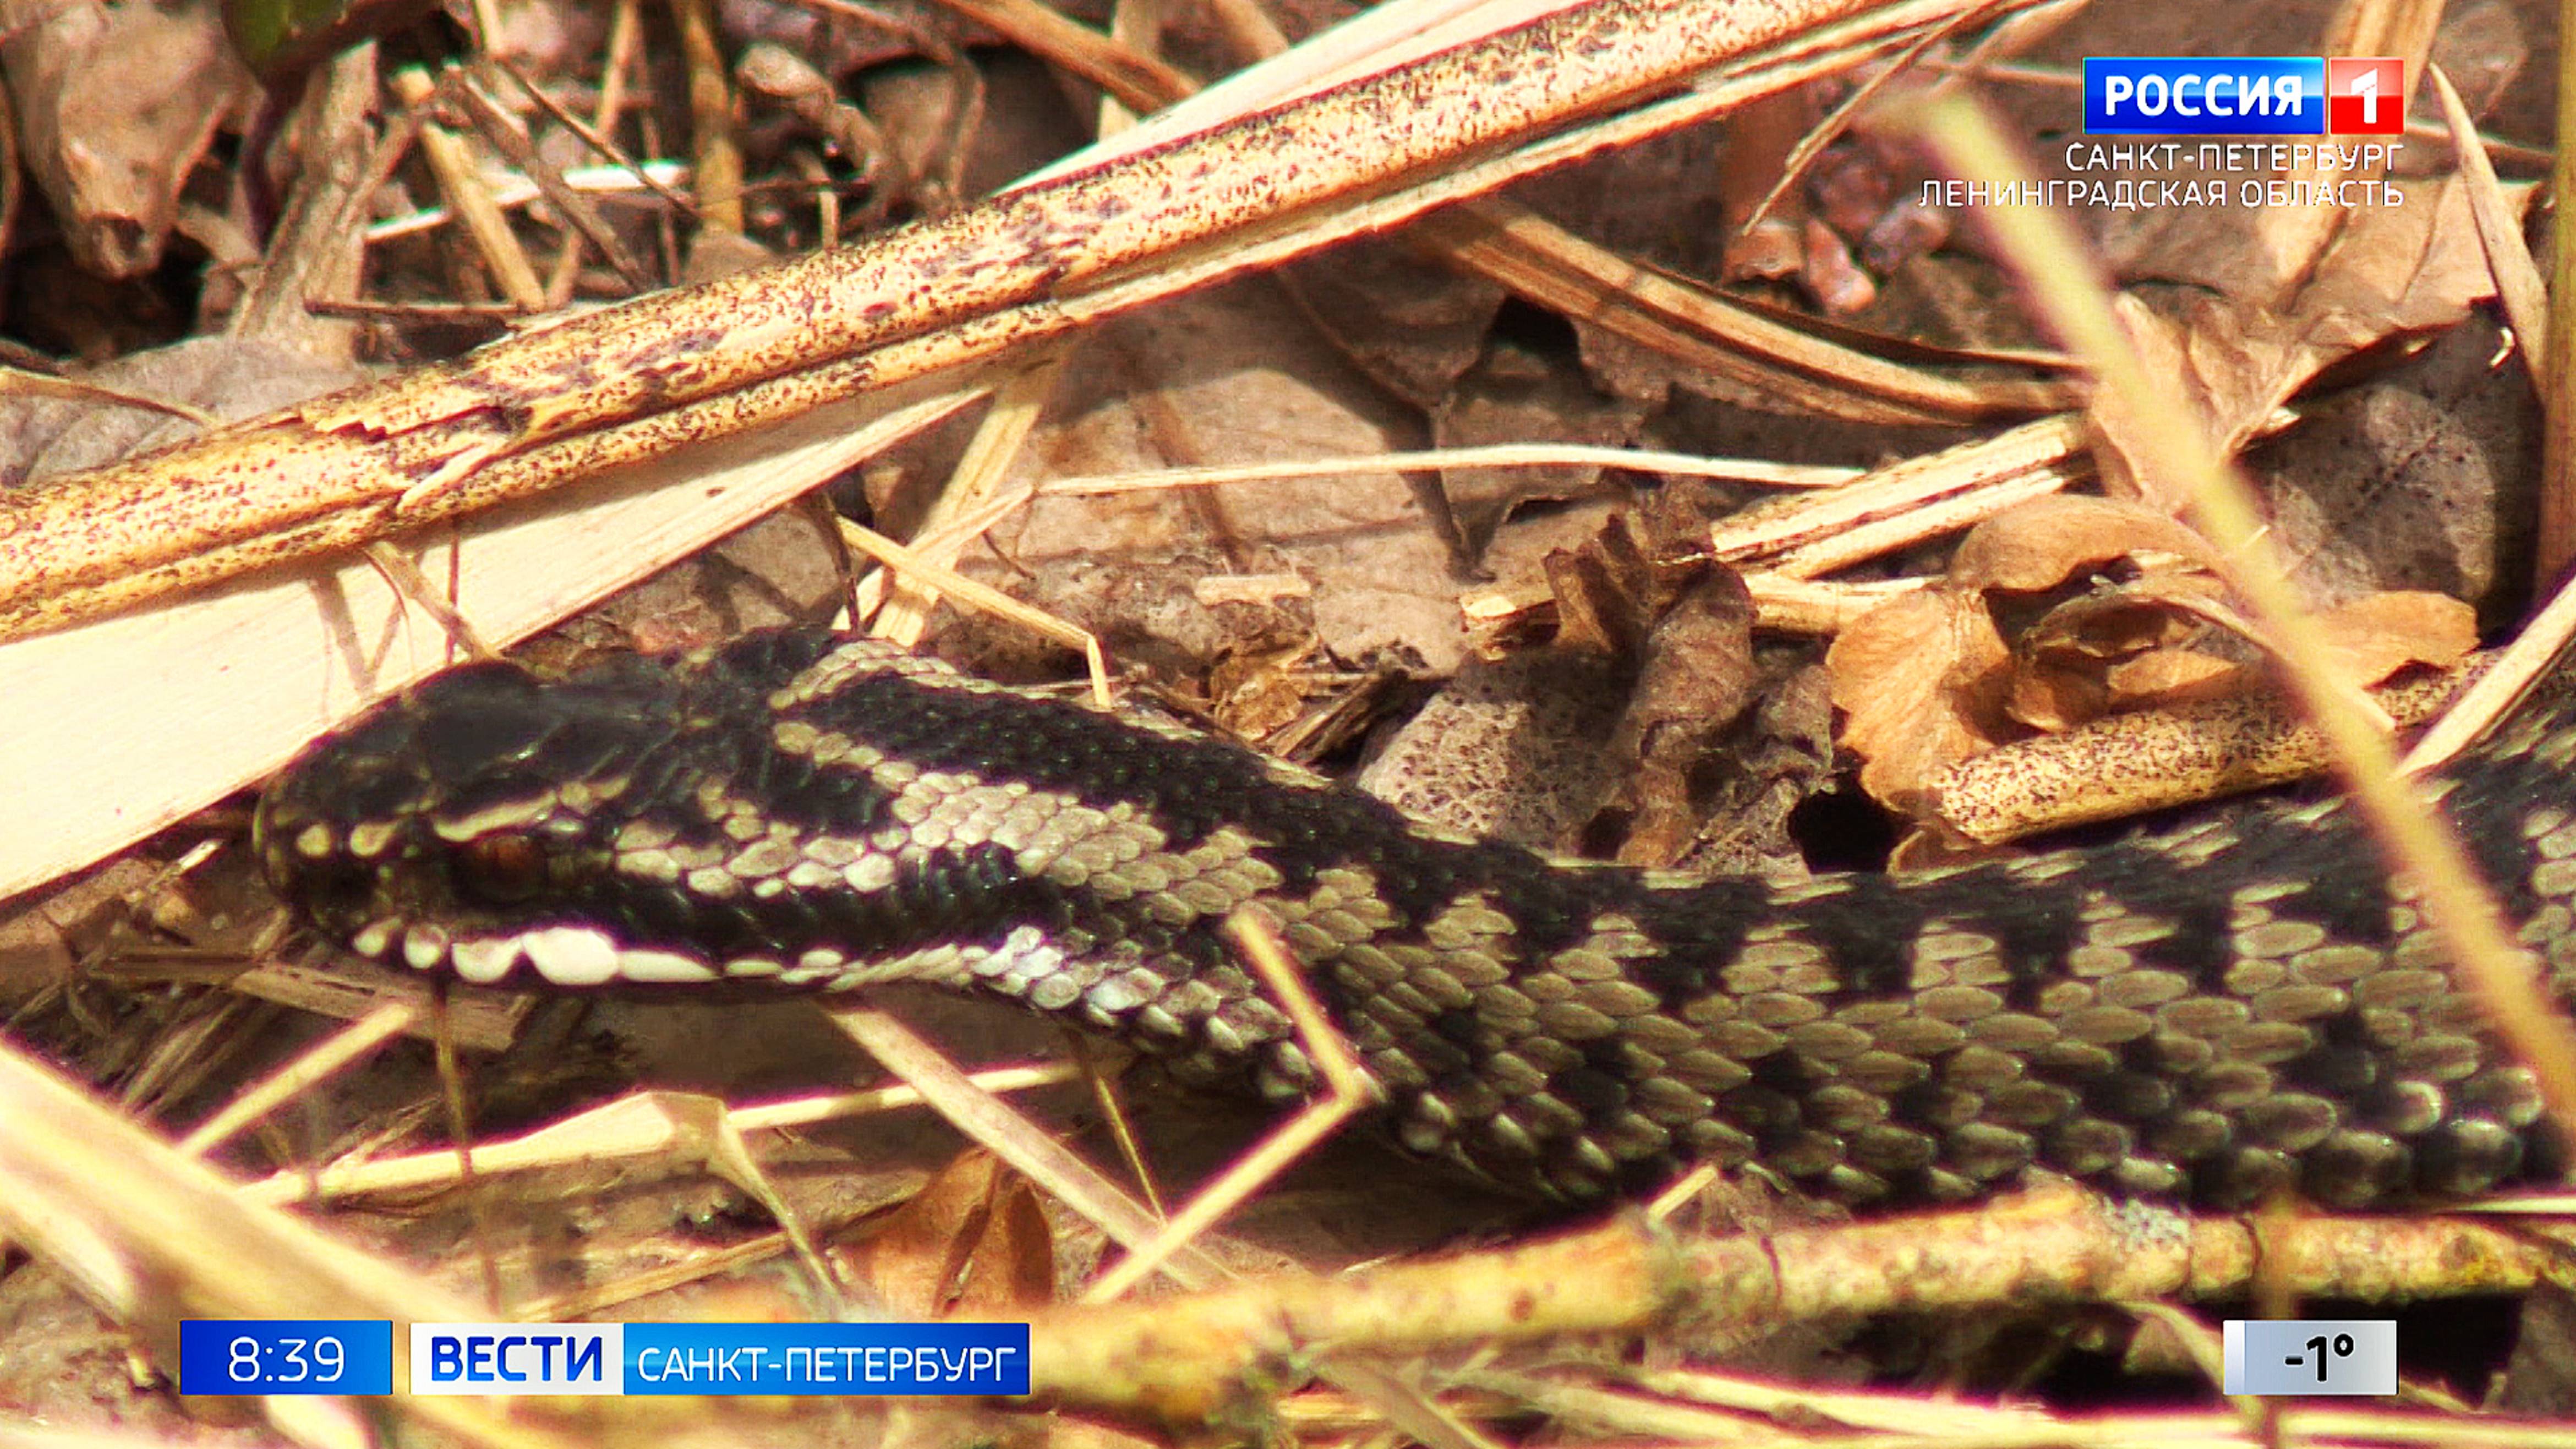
column 503, row 869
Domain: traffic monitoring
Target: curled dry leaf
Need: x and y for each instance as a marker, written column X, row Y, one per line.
column 1685, row 628
column 1695, row 676
column 2044, row 543
column 1927, row 679
column 972, row 1241
column 2134, row 648
column 1934, row 678
column 2073, row 664
column 1916, row 679
column 2157, row 677
column 2415, row 268
column 115, row 104
column 2370, row 638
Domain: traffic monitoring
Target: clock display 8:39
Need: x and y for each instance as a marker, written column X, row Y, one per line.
column 286, row 1356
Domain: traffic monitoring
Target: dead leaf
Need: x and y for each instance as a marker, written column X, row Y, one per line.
column 2044, row 543
column 115, row 104
column 1919, row 681
column 2372, row 637
column 2171, row 676
column 1932, row 678
column 2068, row 661
column 1515, row 392
column 1697, row 676
column 2415, row 267
column 1929, row 679
column 973, row 1240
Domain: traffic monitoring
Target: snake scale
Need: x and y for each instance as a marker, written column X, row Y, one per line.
column 2240, row 1007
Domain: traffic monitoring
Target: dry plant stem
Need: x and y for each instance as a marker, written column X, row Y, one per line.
column 1129, row 74
column 460, row 1132
column 970, row 593
column 2516, row 668
column 1509, row 244
column 633, row 382
column 344, row 1048
column 576, row 212
column 1113, row 1115
column 1681, row 1190
column 590, row 1305
column 1185, row 1358
column 149, row 1236
column 1134, row 26
column 1347, row 1091
column 2050, row 447
column 2062, row 281
column 1932, row 519
column 2517, row 276
column 485, row 1022
column 1519, row 249
column 646, row 1124
column 719, row 1143
column 717, row 161
column 1791, row 606
column 1019, row 400
column 469, row 200
column 19, row 384
column 991, row 1123
column 1187, row 1355
column 1802, row 157
column 1681, row 1392
column 1496, row 455
column 407, row 580
column 2555, row 544
column 1664, row 1407
column 1917, row 499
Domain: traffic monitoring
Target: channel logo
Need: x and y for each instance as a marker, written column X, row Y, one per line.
column 757, row 1359
column 2285, row 95
column 2365, row 96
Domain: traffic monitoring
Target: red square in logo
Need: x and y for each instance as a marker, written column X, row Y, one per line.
column 2365, row 96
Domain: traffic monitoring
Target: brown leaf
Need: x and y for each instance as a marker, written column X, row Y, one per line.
column 2374, row 636
column 1696, row 677
column 1917, row 679
column 2046, row 542
column 116, row 103
column 2416, row 267
column 2172, row 676
column 2043, row 545
column 2066, row 665
column 972, row 1240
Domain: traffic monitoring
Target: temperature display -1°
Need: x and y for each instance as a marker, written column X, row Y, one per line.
column 2311, row 1356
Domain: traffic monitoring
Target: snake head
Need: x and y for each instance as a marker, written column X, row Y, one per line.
column 466, row 825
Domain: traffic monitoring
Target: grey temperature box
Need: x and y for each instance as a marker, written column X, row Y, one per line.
column 2311, row 1356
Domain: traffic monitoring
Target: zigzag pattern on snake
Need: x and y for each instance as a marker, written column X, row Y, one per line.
column 2233, row 1009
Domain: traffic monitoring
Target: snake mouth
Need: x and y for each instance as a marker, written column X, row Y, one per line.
column 573, row 957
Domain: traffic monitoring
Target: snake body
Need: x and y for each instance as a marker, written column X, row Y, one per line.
column 2238, row 1008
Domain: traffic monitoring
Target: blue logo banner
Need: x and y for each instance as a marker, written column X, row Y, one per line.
column 2148, row 95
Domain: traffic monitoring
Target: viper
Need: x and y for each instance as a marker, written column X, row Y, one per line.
column 2236, row 1008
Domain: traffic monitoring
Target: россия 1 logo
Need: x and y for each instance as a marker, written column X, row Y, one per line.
column 2282, row 95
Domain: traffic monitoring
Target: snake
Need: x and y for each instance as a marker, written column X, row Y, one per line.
column 2241, row 1007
